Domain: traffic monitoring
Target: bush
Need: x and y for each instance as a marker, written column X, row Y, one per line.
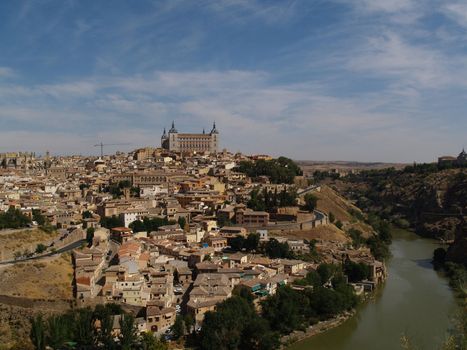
column 40, row 248
column 339, row 224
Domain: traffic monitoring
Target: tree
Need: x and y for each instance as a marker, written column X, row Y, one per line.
column 312, row 279
column 280, row 170
column 332, row 218
column 87, row 214
column 285, row 310
column 128, row 335
column 244, row 292
column 326, row 302
column 439, row 257
column 178, row 328
column 339, row 224
column 149, row 341
column 38, row 332
column 356, row 272
column 40, row 248
column 13, row 218
column 57, row 331
column 38, row 217
column 135, row 192
column 274, row 249
column 237, row 243
column 181, row 222
column 356, row 236
column 111, row 222
column 84, row 327
column 137, row 226
column 379, row 248
column 90, row 235
column 325, row 272
column 229, row 327
column 251, row 242
column 189, row 322
column 257, row 335
column 310, row 202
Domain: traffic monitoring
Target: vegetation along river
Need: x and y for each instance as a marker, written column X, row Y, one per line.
column 415, row 301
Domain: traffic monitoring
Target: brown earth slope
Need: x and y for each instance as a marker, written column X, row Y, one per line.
column 12, row 241
column 38, row 279
column 329, row 201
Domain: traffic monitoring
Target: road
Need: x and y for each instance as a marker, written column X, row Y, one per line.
column 65, row 249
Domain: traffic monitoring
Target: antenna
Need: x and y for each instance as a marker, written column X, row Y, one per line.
column 101, row 145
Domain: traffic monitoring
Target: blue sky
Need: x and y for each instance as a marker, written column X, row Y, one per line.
column 365, row 80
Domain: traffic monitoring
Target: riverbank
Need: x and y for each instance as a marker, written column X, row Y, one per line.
column 415, row 301
column 315, row 329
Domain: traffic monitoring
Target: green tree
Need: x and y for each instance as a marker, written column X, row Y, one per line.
column 57, row 331
column 38, row 332
column 111, row 222
column 325, row 272
column 38, row 217
column 244, row 292
column 379, row 248
column 237, row 243
column 252, row 241
column 149, row 341
column 128, row 334
column 87, row 214
column 285, row 310
column 257, row 335
column 356, row 272
column 356, row 236
column 310, row 202
column 40, row 248
column 332, row 218
column 226, row 328
column 90, row 235
column 181, row 222
column 339, row 224
column 135, row 192
column 13, row 218
column 189, row 322
column 178, row 328
column 84, row 327
column 275, row 249
column 439, row 257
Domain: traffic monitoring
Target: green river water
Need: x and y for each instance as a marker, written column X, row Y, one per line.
column 415, row 301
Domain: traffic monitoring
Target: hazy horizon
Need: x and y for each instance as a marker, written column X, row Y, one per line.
column 356, row 80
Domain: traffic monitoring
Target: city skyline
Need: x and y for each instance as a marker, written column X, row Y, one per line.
column 351, row 80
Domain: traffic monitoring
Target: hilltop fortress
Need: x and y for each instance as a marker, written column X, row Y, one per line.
column 178, row 142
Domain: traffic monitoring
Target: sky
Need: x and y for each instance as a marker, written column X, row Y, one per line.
column 356, row 80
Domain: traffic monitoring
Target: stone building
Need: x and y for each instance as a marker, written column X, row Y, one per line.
column 178, row 142
column 460, row 160
column 16, row 159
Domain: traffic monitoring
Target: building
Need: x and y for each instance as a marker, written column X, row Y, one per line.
column 178, row 142
column 252, row 218
column 460, row 161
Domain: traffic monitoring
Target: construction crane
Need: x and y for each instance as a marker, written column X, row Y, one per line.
column 101, row 145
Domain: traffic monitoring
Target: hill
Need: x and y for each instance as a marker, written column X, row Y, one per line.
column 329, row 201
column 432, row 202
column 20, row 240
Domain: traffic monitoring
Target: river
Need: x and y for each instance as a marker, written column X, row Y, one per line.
column 415, row 301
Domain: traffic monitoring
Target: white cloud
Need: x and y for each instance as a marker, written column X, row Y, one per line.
column 388, row 6
column 6, row 72
column 252, row 113
column 410, row 65
column 244, row 10
column 457, row 11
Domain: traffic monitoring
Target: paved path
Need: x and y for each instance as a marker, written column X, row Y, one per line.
column 65, row 249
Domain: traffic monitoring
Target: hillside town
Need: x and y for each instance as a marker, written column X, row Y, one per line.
column 174, row 230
